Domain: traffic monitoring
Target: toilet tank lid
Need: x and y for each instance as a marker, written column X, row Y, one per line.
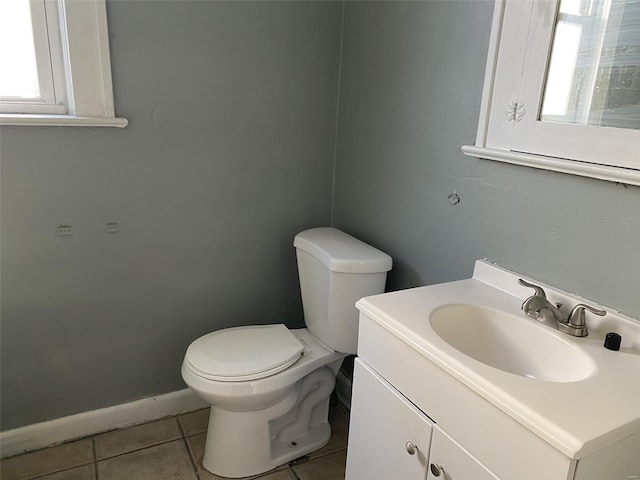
column 340, row 252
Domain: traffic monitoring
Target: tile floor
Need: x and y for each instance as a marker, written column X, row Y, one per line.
column 168, row 449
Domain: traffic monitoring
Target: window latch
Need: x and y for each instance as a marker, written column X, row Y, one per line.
column 515, row 111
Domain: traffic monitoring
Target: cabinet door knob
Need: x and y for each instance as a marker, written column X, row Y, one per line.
column 412, row 448
column 436, row 469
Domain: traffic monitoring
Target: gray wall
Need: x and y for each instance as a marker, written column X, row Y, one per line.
column 228, row 154
column 412, row 76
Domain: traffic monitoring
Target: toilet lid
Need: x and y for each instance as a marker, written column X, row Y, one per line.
column 244, row 353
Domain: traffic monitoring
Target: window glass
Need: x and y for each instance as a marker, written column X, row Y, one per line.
column 594, row 71
column 18, row 70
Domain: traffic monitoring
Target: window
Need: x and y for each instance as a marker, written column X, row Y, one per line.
column 562, row 88
column 54, row 64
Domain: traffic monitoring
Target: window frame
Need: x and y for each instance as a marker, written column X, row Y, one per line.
column 78, row 43
column 509, row 130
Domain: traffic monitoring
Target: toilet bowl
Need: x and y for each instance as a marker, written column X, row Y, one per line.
column 268, row 386
column 264, row 436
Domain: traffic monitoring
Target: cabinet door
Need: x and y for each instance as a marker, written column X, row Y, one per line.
column 449, row 461
column 388, row 436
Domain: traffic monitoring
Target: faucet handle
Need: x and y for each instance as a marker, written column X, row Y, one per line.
column 576, row 317
column 537, row 288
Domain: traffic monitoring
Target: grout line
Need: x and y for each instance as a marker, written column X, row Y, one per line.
column 180, row 427
column 189, row 453
column 164, row 442
column 42, row 475
column 95, row 458
column 191, row 459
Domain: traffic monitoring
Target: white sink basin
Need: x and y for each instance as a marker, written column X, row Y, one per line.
column 572, row 392
column 510, row 343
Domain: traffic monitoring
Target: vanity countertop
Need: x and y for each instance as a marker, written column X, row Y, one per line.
column 576, row 417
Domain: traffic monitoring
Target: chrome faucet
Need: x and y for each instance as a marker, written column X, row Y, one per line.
column 537, row 306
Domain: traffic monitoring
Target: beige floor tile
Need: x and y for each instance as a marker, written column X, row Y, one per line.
column 196, row 447
column 86, row 472
column 194, row 422
column 129, row 439
column 49, row 460
column 168, row 461
column 281, row 475
column 329, row 467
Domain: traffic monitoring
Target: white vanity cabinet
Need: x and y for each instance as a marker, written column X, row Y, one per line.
column 487, row 392
column 449, row 461
column 411, row 391
column 389, row 438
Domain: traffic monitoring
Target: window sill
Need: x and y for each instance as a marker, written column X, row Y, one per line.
column 61, row 121
column 603, row 172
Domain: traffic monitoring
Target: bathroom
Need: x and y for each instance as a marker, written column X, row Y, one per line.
column 249, row 122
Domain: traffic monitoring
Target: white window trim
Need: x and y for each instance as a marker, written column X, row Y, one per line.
column 492, row 140
column 86, row 59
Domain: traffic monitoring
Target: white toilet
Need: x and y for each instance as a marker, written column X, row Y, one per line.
column 269, row 386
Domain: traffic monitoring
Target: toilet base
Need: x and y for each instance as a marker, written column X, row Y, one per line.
column 241, row 444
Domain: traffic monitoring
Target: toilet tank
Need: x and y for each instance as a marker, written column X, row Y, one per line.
column 335, row 271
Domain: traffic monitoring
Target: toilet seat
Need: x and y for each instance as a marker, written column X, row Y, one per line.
column 244, row 353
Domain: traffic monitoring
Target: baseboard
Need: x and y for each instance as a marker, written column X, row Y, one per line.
column 40, row 435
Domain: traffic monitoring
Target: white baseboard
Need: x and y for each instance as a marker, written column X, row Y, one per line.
column 40, row 435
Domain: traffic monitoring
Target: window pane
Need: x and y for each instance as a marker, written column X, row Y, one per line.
column 561, row 68
column 594, row 71
column 18, row 71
